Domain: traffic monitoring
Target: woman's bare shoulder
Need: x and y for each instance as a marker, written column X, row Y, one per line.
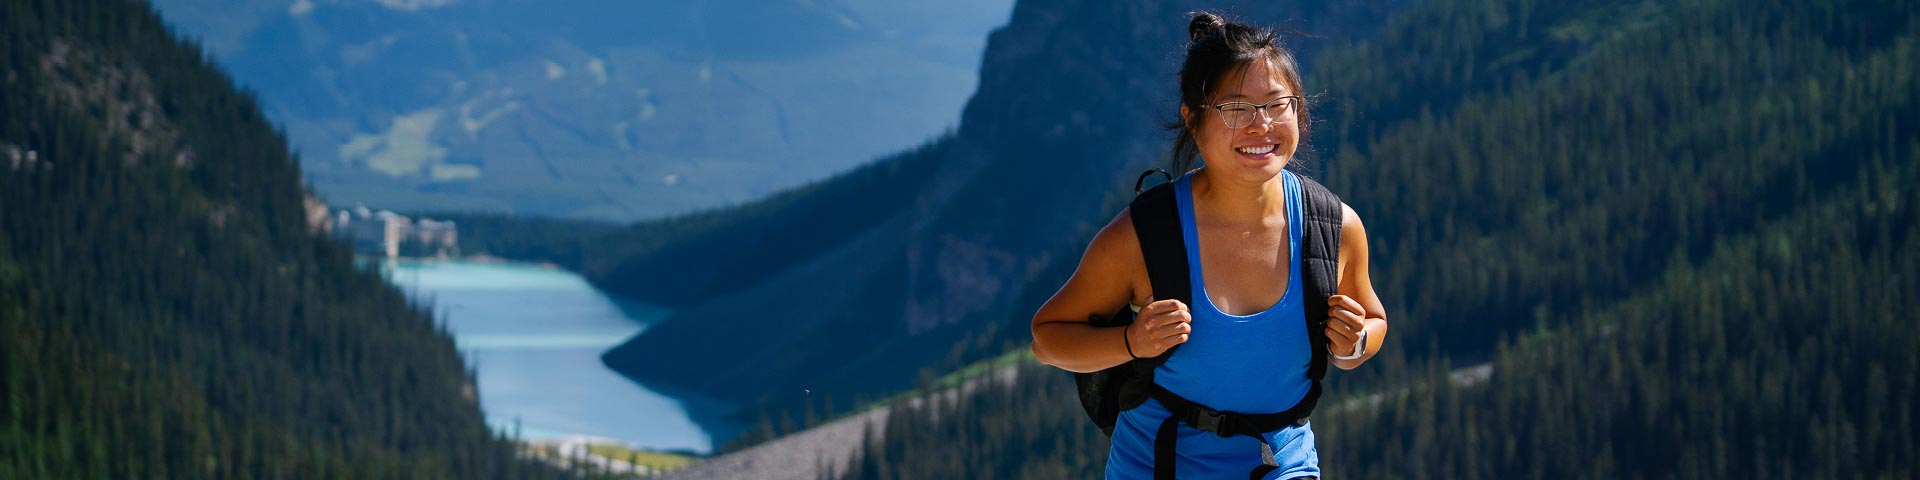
column 1352, row 232
column 1353, row 238
column 1110, row 275
column 1116, row 245
column 1112, row 261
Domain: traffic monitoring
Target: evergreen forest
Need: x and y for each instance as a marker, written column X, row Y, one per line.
column 170, row 304
column 1617, row 239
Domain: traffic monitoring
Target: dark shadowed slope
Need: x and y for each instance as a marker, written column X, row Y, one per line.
column 166, row 308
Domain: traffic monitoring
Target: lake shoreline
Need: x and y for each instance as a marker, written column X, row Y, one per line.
column 534, row 334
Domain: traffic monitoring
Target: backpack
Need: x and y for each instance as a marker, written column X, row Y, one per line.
column 1156, row 222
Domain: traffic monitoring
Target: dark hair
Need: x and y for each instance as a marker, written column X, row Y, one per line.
column 1216, row 47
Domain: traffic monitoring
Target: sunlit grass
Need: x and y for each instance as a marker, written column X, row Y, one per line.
column 659, row 461
column 642, row 461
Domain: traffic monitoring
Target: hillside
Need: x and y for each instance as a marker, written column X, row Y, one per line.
column 923, row 260
column 857, row 286
column 1521, row 165
column 166, row 308
column 611, row 111
column 1682, row 235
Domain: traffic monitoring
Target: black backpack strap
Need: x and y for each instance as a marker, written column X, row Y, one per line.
column 1163, row 245
column 1262, row 471
column 1320, row 263
column 1156, row 223
column 1163, row 248
column 1226, row 424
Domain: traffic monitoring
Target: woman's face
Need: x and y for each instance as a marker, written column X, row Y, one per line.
column 1258, row 151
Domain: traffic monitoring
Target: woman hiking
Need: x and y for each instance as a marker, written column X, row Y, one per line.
column 1243, row 342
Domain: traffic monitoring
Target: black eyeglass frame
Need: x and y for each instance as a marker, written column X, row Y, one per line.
column 1288, row 103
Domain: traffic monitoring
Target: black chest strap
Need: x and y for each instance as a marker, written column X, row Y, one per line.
column 1225, row 424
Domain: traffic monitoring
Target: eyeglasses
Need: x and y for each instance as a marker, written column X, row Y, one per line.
column 1240, row 114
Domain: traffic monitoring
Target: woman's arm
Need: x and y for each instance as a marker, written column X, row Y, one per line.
column 1103, row 283
column 1356, row 307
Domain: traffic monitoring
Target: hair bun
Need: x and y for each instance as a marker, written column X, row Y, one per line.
column 1204, row 23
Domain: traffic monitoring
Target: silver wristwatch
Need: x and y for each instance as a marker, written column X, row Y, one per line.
column 1359, row 348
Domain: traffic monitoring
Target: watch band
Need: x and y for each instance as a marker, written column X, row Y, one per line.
column 1359, row 348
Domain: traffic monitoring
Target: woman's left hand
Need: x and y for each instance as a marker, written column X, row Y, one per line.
column 1345, row 319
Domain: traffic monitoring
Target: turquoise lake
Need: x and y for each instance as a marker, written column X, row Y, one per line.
column 534, row 335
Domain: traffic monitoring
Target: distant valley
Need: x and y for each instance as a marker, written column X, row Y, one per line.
column 597, row 110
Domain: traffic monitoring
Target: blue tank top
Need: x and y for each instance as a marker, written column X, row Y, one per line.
column 1250, row 364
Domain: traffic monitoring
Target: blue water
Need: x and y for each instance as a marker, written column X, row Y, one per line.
column 534, row 335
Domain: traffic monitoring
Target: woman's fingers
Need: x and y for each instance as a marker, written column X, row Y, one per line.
column 1341, row 336
column 1349, row 321
column 1159, row 314
column 1174, row 324
column 1167, row 323
column 1345, row 320
column 1343, row 312
column 1161, row 306
column 1337, row 302
column 1172, row 329
column 1170, row 342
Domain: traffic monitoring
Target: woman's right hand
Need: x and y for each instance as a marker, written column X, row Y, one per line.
column 1158, row 327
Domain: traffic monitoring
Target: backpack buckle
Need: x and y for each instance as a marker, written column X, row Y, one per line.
column 1210, row 420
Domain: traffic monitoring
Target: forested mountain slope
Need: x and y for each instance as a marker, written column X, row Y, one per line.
column 167, row 309
column 1683, row 237
column 1520, row 165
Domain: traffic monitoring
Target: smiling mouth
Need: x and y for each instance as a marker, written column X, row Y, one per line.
column 1260, row 150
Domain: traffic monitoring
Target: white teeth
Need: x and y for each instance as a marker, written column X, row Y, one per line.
column 1256, row 150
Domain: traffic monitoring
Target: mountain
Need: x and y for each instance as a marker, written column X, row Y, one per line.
column 602, row 110
column 854, row 286
column 169, row 306
column 1526, row 170
column 1617, row 239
